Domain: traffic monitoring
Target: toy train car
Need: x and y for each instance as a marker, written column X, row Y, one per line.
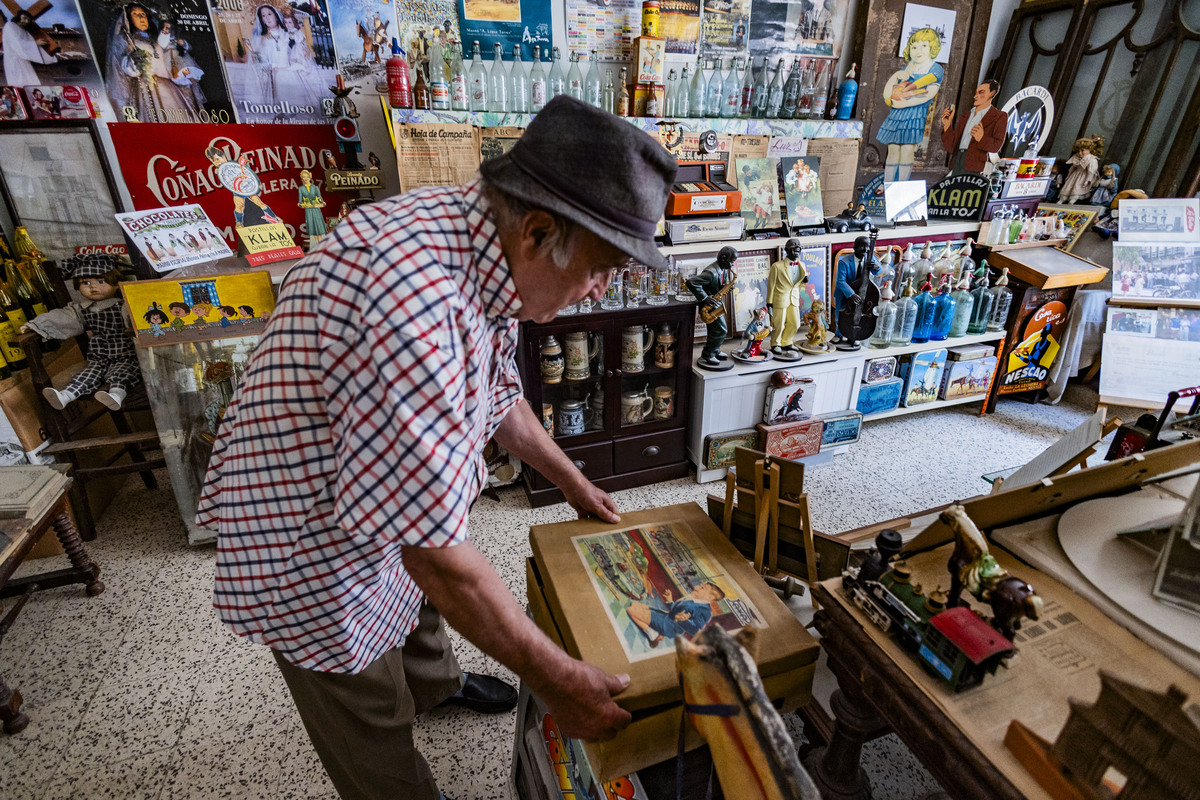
column 954, row 644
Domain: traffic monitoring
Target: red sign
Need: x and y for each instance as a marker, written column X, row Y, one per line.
column 165, row 165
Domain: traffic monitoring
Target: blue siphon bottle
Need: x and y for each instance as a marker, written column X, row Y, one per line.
column 943, row 313
column 847, row 93
column 925, row 311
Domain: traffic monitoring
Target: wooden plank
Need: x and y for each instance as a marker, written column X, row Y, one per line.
column 116, row 440
column 997, row 248
column 1048, row 267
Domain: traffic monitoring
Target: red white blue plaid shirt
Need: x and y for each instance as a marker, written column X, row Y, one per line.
column 359, row 427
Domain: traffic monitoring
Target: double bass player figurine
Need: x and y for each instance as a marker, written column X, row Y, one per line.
column 854, row 315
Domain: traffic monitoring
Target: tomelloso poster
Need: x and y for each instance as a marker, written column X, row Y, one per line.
column 159, row 60
column 780, row 28
column 172, row 168
column 725, row 27
column 46, row 45
column 680, row 24
column 362, row 36
column 278, row 57
column 507, row 22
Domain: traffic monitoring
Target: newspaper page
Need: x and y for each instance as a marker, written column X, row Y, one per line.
column 839, row 159
column 1060, row 657
column 430, row 154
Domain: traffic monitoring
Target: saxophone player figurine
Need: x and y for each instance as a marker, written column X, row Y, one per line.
column 710, row 286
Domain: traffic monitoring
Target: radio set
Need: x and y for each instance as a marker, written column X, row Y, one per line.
column 701, row 188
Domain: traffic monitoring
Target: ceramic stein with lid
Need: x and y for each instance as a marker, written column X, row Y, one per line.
column 552, row 360
column 581, row 348
column 664, row 402
column 570, row 417
column 635, row 341
column 664, row 348
column 636, row 405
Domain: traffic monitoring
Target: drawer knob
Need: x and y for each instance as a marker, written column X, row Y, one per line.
column 579, row 465
column 651, row 451
column 608, row 373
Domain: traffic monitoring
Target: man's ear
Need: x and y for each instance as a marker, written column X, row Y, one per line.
column 536, row 227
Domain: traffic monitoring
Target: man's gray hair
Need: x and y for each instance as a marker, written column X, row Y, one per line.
column 509, row 211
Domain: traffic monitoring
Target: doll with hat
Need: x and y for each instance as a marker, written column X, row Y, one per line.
column 111, row 356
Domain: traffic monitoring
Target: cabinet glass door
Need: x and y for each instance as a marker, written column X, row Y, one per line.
column 649, row 356
column 571, row 363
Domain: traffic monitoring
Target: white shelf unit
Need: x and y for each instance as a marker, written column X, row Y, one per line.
column 732, row 400
column 885, row 235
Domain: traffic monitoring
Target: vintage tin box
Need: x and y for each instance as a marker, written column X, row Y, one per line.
column 967, row 378
column 922, row 373
column 876, row 398
column 792, row 439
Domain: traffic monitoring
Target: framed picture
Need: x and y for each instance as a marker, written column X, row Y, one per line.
column 1166, row 272
column 199, row 309
column 758, row 181
column 1075, row 218
column 802, row 191
column 750, row 292
column 1132, row 321
column 1160, row 219
column 34, row 155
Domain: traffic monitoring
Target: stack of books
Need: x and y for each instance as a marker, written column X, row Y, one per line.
column 29, row 491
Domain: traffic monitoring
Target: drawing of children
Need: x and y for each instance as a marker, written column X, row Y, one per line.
column 227, row 313
column 201, row 310
column 910, row 93
column 246, row 313
column 178, row 311
column 156, row 318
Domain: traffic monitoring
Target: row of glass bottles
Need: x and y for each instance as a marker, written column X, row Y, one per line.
column 803, row 95
column 973, row 308
column 1011, row 225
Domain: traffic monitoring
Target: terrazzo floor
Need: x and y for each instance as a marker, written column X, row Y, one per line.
column 141, row 694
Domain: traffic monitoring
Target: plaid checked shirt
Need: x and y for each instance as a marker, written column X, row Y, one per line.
column 359, row 427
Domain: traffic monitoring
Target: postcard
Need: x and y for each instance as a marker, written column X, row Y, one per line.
column 1160, row 219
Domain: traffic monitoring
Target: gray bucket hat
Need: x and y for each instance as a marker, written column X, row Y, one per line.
column 594, row 168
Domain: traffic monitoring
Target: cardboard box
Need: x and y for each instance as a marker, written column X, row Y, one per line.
column 649, row 64
column 922, row 373
column 792, row 439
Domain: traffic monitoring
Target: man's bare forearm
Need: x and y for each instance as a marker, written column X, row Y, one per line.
column 522, row 435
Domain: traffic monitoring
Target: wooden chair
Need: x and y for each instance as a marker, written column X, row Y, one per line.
column 66, row 428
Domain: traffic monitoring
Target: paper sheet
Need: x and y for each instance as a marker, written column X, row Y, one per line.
column 839, row 158
column 1144, row 369
column 436, row 155
column 1059, row 453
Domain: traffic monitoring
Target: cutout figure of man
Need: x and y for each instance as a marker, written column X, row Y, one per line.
column 976, row 134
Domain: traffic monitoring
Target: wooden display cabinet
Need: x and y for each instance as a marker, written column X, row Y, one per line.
column 612, row 451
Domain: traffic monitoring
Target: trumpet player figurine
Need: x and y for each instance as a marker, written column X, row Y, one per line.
column 710, row 286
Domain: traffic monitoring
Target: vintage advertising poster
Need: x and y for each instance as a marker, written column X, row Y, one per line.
column 428, row 154
column 45, row 44
column 278, row 57
column 724, row 27
column 655, row 584
column 180, row 166
column 199, row 309
column 679, row 23
column 1040, row 324
column 758, row 180
column 175, row 237
column 159, row 60
column 507, row 23
column 362, row 37
column 750, row 291
column 419, row 24
column 815, row 260
column 607, row 28
column 802, row 190
column 1169, row 271
column 782, row 28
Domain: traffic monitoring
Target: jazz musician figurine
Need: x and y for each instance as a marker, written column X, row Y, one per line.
column 855, row 305
column 710, row 286
column 784, row 280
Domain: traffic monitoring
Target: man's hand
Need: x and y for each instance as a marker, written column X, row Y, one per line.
column 947, row 118
column 581, row 703
column 854, row 299
column 977, row 131
column 682, row 616
column 588, row 498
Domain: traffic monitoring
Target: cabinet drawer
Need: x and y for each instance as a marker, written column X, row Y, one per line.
column 594, row 461
column 652, row 450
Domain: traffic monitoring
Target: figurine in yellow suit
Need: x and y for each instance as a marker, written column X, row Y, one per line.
column 784, row 280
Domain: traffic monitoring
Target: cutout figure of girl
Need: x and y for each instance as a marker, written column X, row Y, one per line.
column 910, row 93
column 312, row 203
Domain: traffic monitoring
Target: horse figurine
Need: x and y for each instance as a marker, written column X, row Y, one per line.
column 724, row 698
column 973, row 568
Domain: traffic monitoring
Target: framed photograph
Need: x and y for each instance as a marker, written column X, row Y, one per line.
column 758, row 181
column 1132, row 321
column 1166, row 272
column 1160, row 219
column 1177, row 324
column 750, row 292
column 1075, row 218
column 791, row 403
column 802, row 191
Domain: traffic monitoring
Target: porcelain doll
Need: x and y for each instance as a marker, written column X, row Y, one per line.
column 111, row 356
column 1106, row 187
column 312, row 203
column 1085, row 170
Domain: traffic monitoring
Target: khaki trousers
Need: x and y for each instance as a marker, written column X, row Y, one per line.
column 361, row 724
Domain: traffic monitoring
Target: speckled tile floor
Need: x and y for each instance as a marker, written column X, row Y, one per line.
column 140, row 693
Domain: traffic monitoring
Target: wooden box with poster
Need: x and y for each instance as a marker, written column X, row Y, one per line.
column 616, row 596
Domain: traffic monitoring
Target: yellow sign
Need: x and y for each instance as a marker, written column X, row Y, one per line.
column 198, row 309
column 267, row 243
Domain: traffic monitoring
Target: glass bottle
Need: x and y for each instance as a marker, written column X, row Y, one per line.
column 518, row 84
column 761, row 93
column 943, row 265
column 458, row 82
column 963, row 263
column 885, row 275
column 683, row 95
column 733, row 90
column 537, row 82
column 791, row 91
column 22, row 243
column 575, row 84
column 904, row 270
column 608, row 99
column 696, row 93
column 820, row 102
column 1003, row 299
column 775, row 93
column 671, row 97
column 499, row 81
column 14, row 318
column 715, row 102
column 943, row 313
column 593, row 86
column 439, row 86
column 807, row 87
column 624, row 102
column 926, row 306
column 964, row 307
column 888, row 315
column 478, row 99
column 420, row 89
column 983, row 304
column 906, row 316
column 22, row 292
column 556, row 84
column 1014, row 227
column 41, row 282
column 747, row 89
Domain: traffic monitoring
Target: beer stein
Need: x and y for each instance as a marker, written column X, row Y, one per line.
column 634, row 344
column 585, row 305
column 570, row 417
column 664, row 348
column 614, row 295
column 581, row 348
column 635, row 286
column 664, row 402
column 660, row 286
column 552, row 360
column 635, row 405
column 594, row 419
column 548, row 418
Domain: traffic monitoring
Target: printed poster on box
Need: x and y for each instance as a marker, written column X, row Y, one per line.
column 170, row 238
column 523, row 22
column 171, row 168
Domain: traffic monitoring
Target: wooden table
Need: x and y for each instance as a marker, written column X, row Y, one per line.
column 21, row 535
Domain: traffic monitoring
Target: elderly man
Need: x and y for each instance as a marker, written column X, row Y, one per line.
column 348, row 460
column 978, row 133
